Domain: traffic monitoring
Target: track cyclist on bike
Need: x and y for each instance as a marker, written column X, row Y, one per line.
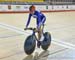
column 40, row 19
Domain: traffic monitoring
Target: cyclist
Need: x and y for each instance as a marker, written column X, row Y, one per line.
column 40, row 18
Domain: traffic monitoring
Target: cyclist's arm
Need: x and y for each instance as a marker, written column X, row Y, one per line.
column 29, row 18
column 43, row 20
column 39, row 19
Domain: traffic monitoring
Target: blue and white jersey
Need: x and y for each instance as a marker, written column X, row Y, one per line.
column 40, row 18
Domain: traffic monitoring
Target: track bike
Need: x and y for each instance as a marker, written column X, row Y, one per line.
column 30, row 42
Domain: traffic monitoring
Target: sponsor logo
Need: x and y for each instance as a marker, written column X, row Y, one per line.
column 26, row 7
column 9, row 7
column 46, row 7
column 18, row 7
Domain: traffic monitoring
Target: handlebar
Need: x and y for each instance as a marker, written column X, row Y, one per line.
column 34, row 29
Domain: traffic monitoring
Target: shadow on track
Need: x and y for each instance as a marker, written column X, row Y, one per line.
column 42, row 56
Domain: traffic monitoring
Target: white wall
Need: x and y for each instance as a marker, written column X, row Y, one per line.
column 38, row 7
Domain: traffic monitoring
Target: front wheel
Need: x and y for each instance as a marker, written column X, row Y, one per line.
column 47, row 41
column 29, row 45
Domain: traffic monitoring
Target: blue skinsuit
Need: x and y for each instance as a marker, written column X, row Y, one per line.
column 39, row 17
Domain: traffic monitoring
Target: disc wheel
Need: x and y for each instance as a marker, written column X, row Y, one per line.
column 29, row 45
column 47, row 41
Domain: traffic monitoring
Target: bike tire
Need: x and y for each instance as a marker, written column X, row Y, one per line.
column 29, row 45
column 47, row 41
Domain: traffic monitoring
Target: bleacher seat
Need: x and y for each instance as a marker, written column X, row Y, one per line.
column 21, row 0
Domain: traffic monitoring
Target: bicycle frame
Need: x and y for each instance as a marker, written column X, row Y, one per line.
column 33, row 33
column 34, row 30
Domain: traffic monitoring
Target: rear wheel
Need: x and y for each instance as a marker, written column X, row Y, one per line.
column 47, row 41
column 29, row 45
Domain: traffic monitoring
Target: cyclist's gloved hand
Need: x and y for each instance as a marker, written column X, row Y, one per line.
column 25, row 28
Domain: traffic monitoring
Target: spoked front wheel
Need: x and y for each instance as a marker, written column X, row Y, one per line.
column 47, row 41
column 29, row 45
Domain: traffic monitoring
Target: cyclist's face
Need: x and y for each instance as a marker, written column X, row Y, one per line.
column 32, row 10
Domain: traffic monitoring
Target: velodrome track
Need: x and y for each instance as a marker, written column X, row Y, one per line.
column 61, row 25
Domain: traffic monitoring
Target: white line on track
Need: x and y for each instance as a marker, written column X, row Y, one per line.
column 12, row 28
column 21, row 31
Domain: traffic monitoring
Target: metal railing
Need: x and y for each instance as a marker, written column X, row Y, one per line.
column 60, row 2
column 46, row 2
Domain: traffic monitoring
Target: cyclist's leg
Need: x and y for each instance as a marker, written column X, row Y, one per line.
column 40, row 32
column 39, row 36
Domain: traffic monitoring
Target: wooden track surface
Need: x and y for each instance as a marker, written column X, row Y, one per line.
column 61, row 25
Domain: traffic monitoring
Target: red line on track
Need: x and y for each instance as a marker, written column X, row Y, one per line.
column 9, row 12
